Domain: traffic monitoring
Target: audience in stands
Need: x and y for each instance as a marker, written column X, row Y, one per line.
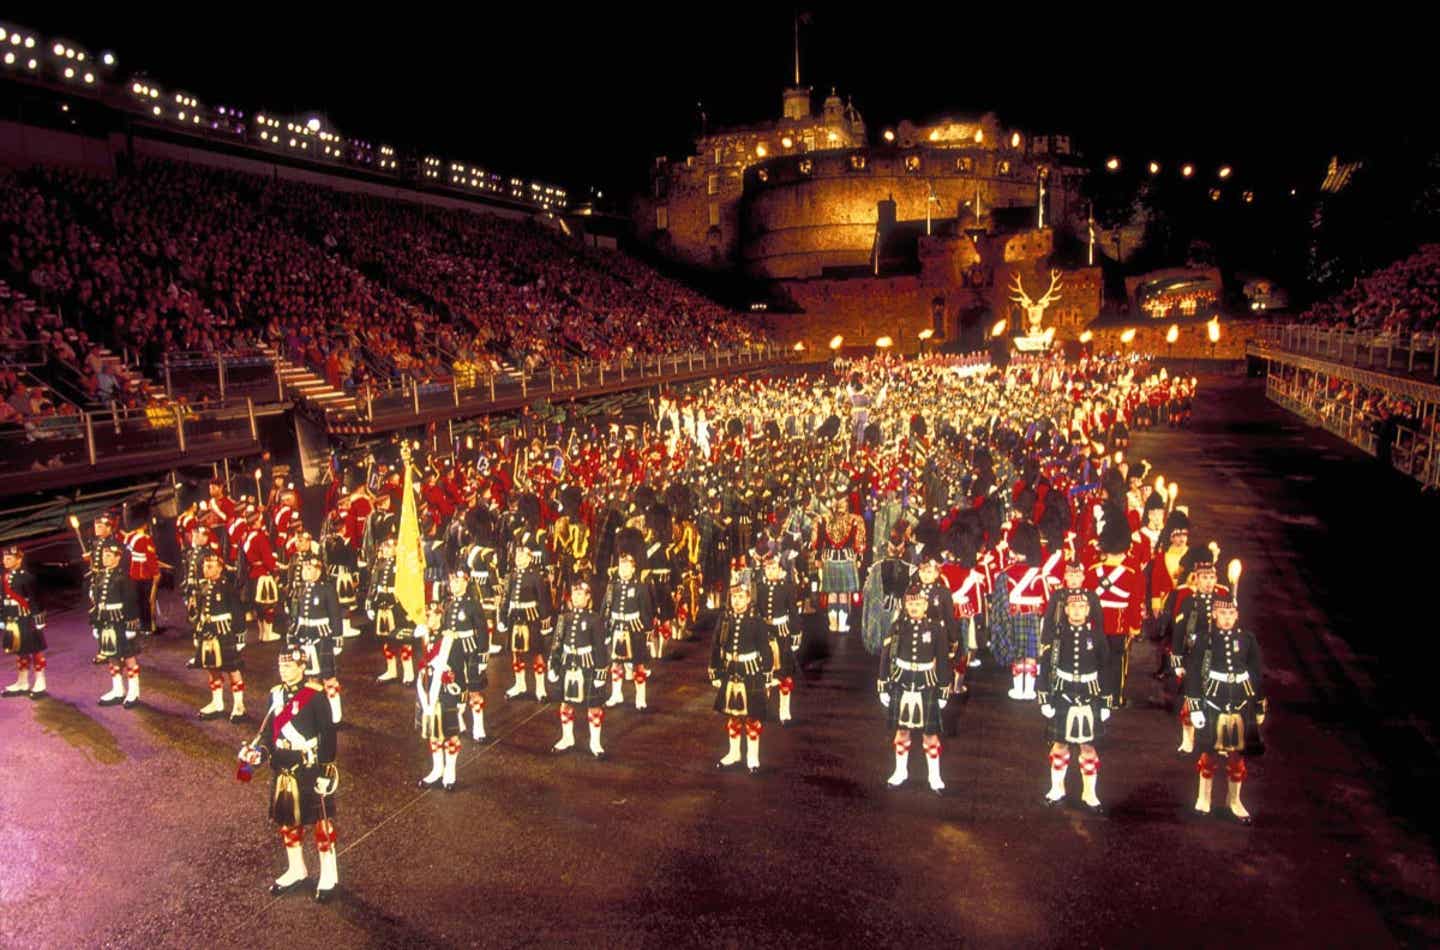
column 1401, row 298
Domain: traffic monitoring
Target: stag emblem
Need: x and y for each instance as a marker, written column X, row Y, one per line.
column 1035, row 309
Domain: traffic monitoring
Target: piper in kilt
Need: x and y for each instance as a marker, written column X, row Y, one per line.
column 839, row 544
column 1017, row 609
column 219, row 638
column 115, row 621
column 460, row 617
column 779, row 606
column 315, row 628
column 393, row 627
column 742, row 657
column 1075, row 695
column 579, row 660
column 524, row 613
column 298, row 738
column 1189, row 608
column 629, row 615
column 914, row 683
column 22, row 624
column 1225, row 695
column 440, row 693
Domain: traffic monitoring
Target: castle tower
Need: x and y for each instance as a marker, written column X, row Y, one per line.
column 833, row 112
column 796, row 103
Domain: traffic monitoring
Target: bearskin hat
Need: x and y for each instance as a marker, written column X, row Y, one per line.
column 1115, row 536
column 657, row 519
column 630, row 541
column 527, row 510
column 1025, row 540
column 1177, row 521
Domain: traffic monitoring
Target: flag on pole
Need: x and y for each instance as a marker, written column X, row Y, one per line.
column 409, row 564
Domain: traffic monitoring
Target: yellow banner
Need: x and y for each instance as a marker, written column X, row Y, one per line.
column 409, row 563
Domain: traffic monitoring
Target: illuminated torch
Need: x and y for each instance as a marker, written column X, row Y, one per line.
column 1173, row 490
column 75, row 523
column 998, row 330
column 1232, row 571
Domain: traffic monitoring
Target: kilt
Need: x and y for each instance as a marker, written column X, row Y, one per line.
column 473, row 673
column 116, row 642
column 914, row 699
column 1229, row 727
column 582, row 685
column 742, row 695
column 320, row 657
column 527, row 638
column 1016, row 636
column 22, row 637
column 1077, row 717
column 292, row 791
column 787, row 643
column 839, row 576
column 219, row 653
column 443, row 719
column 627, row 645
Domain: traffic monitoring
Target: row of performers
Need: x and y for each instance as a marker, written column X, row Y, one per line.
column 753, row 645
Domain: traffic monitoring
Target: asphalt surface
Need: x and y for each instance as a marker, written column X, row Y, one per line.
column 128, row 828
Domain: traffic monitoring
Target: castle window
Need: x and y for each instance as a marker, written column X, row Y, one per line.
column 712, row 185
column 1002, row 167
column 714, row 214
column 719, row 154
column 662, row 218
column 912, row 163
column 806, row 166
column 857, row 162
column 659, row 187
column 965, row 164
column 763, row 175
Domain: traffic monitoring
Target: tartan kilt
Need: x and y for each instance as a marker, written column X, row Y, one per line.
column 1055, row 726
column 1016, row 636
column 579, row 686
column 1238, row 733
column 787, row 652
column 311, row 807
column 474, row 675
column 24, row 639
column 756, row 704
column 929, row 703
column 220, row 653
column 839, row 576
column 444, row 719
column 122, row 646
column 637, row 650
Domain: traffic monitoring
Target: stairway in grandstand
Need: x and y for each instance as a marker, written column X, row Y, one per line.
column 306, row 387
column 130, row 377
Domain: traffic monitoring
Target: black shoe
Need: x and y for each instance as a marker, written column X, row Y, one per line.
column 1197, row 813
column 424, row 784
column 342, row 724
column 600, row 756
column 10, row 692
column 130, row 703
column 449, row 788
column 1053, row 802
column 787, row 723
column 207, row 716
column 276, row 888
column 726, row 766
column 243, row 717
column 754, row 769
column 323, row 896
column 39, row 693
column 108, row 702
column 1246, row 820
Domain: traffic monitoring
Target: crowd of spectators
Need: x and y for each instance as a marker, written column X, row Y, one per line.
column 168, row 257
column 1400, row 299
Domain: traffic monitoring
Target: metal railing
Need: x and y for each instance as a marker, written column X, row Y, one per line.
column 1391, row 351
column 90, row 439
column 477, row 389
column 1413, row 452
column 233, row 374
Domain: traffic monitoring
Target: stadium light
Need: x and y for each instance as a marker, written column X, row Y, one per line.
column 1113, row 164
column 889, row 135
column 108, row 59
column 1154, row 168
column 1225, row 171
column 1187, row 170
column 1014, row 139
column 313, row 124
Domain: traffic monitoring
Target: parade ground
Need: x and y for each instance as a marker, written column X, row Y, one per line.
column 128, row 828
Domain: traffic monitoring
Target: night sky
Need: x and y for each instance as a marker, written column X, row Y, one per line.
column 590, row 97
